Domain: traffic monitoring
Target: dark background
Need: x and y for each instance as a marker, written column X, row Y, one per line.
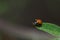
column 23, row 12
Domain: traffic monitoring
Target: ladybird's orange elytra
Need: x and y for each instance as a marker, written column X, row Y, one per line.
column 39, row 21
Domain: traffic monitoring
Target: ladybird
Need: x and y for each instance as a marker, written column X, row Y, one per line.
column 37, row 22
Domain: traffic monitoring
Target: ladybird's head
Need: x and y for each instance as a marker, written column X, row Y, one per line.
column 37, row 22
